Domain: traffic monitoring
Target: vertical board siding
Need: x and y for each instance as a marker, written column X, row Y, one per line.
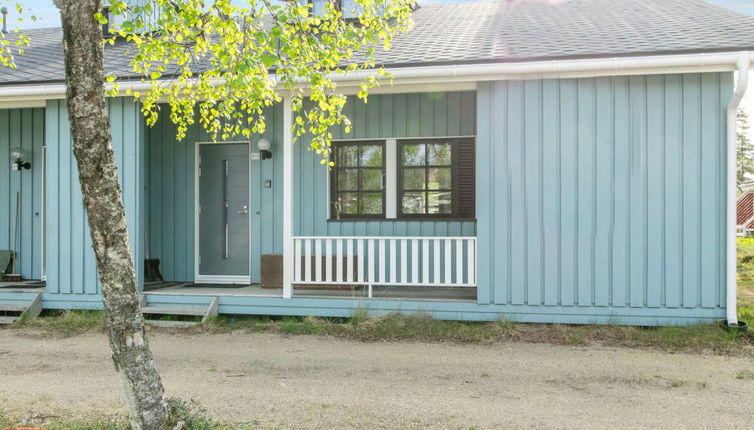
column 70, row 263
column 383, row 116
column 607, row 191
column 22, row 128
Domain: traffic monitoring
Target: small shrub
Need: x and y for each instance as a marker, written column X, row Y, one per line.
column 191, row 418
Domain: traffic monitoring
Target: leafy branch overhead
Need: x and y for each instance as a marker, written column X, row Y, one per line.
column 230, row 62
column 9, row 46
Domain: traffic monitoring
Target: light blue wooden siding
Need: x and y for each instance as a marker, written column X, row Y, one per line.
column 23, row 128
column 383, row 116
column 71, row 266
column 170, row 189
column 603, row 193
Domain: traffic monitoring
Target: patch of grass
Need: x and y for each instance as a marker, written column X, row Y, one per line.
column 307, row 325
column 189, row 416
column 745, row 375
column 57, row 423
column 68, row 323
column 359, row 316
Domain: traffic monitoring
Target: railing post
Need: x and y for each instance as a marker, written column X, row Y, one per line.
column 287, row 199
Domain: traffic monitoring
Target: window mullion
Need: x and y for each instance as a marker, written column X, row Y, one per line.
column 390, row 192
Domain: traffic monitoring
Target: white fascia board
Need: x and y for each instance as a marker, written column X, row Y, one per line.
column 472, row 73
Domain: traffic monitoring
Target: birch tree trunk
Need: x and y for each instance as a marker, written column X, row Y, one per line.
column 92, row 147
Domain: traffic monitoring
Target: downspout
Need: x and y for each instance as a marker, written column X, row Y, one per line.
column 743, row 79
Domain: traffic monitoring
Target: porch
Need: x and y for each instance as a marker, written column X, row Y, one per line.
column 215, row 212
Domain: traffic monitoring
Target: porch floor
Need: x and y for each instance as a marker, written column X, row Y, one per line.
column 378, row 292
column 25, row 286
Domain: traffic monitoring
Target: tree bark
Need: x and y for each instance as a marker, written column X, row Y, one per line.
column 98, row 175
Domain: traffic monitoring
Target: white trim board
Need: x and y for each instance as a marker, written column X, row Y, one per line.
column 219, row 279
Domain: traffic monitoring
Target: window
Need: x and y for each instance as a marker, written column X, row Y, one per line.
column 436, row 178
column 404, row 179
column 357, row 180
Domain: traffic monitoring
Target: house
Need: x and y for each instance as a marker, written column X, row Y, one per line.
column 745, row 210
column 565, row 162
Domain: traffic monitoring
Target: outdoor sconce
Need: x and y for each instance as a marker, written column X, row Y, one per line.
column 18, row 157
column 264, row 148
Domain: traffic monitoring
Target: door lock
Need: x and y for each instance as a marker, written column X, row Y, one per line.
column 244, row 211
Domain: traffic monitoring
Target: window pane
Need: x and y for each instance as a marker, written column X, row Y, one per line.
column 371, row 179
column 371, row 155
column 439, row 178
column 348, row 179
column 413, row 155
column 440, row 203
column 348, row 156
column 413, row 179
column 438, row 154
column 413, row 203
column 348, row 203
column 371, row 203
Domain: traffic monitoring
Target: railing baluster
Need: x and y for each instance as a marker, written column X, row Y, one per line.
column 437, row 267
column 392, row 261
column 381, row 262
column 318, row 260
column 328, row 260
column 360, row 260
column 370, row 252
column 448, row 262
column 349, row 261
column 459, row 261
column 307, row 261
column 297, row 260
column 414, row 261
column 339, row 259
column 425, row 261
column 404, row 261
column 471, row 263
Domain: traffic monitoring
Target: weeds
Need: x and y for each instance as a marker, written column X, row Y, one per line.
column 420, row 327
column 68, row 323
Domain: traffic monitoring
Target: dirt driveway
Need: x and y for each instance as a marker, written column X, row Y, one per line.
column 318, row 382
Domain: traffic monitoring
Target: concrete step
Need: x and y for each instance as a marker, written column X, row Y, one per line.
column 8, row 320
column 152, row 310
column 161, row 323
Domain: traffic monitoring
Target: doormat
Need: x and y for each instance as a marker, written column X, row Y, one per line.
column 216, row 286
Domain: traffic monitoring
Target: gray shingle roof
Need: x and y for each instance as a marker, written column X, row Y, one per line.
column 500, row 31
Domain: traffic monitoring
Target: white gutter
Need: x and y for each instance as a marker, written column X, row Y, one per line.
column 474, row 72
column 742, row 65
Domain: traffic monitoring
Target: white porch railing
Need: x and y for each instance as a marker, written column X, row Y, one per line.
column 393, row 261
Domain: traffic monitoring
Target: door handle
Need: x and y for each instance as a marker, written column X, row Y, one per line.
column 244, row 211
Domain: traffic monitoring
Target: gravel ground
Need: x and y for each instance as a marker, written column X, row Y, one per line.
column 318, row 382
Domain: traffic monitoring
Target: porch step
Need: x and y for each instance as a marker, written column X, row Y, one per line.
column 21, row 309
column 172, row 311
column 13, row 307
column 206, row 313
column 160, row 323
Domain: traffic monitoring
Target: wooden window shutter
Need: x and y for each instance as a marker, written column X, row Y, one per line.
column 465, row 155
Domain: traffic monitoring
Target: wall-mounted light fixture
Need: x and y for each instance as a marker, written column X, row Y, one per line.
column 18, row 157
column 264, row 148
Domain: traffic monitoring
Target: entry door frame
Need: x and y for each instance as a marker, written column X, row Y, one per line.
column 216, row 279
